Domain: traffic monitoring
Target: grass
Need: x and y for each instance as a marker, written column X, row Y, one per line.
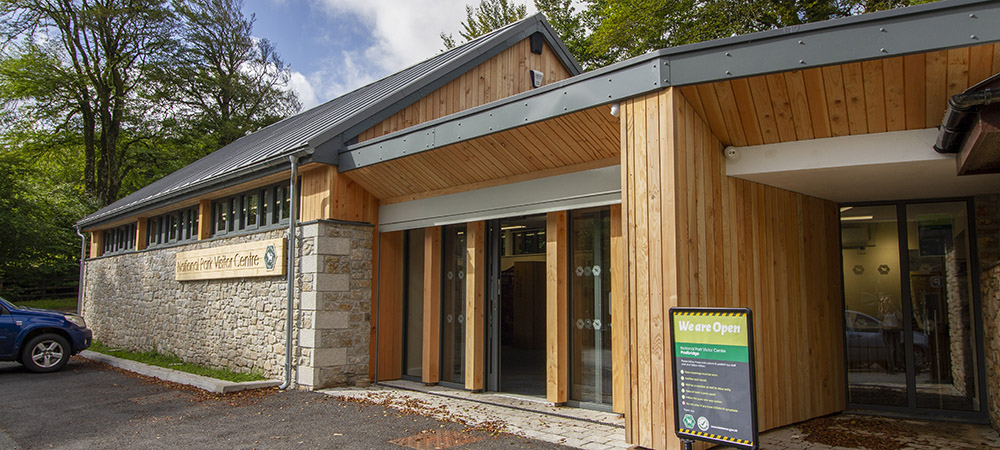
column 58, row 304
column 154, row 358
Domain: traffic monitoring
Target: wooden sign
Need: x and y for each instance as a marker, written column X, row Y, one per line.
column 252, row 259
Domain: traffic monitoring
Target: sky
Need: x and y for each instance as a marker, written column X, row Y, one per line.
column 335, row 46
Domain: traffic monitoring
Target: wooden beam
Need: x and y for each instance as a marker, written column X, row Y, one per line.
column 96, row 243
column 556, row 308
column 140, row 234
column 205, row 219
column 388, row 310
column 475, row 306
column 618, row 305
column 432, row 306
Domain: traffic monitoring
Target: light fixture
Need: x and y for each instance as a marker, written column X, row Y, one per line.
column 615, row 108
column 731, row 152
column 513, row 227
column 846, row 208
column 846, row 218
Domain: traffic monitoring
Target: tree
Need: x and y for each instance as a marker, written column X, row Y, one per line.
column 94, row 56
column 607, row 31
column 488, row 16
column 226, row 82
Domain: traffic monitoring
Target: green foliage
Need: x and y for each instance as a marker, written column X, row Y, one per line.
column 608, row 31
column 488, row 16
column 100, row 98
column 168, row 361
column 55, row 304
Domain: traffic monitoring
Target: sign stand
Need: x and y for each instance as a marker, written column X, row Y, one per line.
column 715, row 390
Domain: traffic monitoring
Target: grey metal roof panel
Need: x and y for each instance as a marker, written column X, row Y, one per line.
column 372, row 102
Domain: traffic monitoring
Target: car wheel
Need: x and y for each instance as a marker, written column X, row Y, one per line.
column 46, row 353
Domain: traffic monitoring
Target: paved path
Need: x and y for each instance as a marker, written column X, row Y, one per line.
column 92, row 406
column 573, row 427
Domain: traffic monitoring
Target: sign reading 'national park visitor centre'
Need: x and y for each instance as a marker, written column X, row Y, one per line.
column 714, row 388
column 251, row 259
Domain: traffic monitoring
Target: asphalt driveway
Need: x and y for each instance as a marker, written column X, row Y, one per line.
column 89, row 405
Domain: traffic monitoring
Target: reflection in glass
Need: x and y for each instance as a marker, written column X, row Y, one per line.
column 522, row 305
column 876, row 363
column 453, row 305
column 590, row 304
column 414, row 308
column 944, row 349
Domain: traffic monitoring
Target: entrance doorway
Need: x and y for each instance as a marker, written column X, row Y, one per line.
column 911, row 322
column 517, row 306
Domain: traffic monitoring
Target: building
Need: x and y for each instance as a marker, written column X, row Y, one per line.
column 464, row 223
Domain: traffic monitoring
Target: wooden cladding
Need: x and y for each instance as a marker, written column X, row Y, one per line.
column 387, row 309
column 695, row 237
column 327, row 194
column 475, row 306
column 891, row 94
column 431, row 353
column 579, row 141
column 556, row 307
column 501, row 76
column 618, row 304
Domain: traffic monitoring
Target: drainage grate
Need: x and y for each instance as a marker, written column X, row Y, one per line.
column 436, row 439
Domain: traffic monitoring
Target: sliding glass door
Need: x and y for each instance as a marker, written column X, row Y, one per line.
column 453, row 305
column 590, row 305
column 911, row 327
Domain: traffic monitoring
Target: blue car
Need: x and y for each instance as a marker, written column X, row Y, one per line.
column 40, row 339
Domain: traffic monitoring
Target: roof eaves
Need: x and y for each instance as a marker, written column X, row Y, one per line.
column 916, row 29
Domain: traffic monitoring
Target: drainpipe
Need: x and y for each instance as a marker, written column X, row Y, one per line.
column 289, row 310
column 960, row 107
column 378, row 297
column 83, row 259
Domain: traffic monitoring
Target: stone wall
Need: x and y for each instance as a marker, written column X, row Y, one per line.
column 988, row 236
column 336, row 304
column 132, row 301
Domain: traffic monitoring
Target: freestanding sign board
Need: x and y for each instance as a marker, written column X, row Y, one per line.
column 715, row 397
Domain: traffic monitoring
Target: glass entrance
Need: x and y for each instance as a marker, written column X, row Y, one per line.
column 910, row 323
column 453, row 305
column 590, row 305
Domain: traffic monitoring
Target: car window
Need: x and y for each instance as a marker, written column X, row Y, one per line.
column 865, row 322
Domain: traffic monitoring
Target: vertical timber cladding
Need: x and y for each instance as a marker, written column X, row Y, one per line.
column 557, row 307
column 695, row 237
column 388, row 310
column 475, row 306
column 431, row 354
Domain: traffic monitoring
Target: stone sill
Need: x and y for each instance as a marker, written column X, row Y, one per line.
column 202, row 382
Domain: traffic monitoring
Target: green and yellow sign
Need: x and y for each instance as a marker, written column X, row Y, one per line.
column 714, row 386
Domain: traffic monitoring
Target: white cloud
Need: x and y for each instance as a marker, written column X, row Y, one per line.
column 404, row 31
column 304, row 89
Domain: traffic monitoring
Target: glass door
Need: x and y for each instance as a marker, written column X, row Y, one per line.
column 453, row 305
column 590, row 305
column 911, row 330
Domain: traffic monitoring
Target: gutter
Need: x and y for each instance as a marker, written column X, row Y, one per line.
column 962, row 109
column 293, row 160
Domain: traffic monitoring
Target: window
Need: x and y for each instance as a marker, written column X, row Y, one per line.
column 173, row 227
column 527, row 242
column 257, row 208
column 119, row 240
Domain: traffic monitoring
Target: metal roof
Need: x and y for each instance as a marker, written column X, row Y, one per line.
column 914, row 29
column 343, row 117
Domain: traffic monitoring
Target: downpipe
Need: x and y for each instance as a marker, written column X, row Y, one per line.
column 82, row 283
column 289, row 307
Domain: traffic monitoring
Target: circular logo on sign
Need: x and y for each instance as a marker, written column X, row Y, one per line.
column 703, row 423
column 270, row 257
column 688, row 421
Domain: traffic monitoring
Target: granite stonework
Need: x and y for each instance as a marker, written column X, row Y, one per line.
column 132, row 301
column 988, row 237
